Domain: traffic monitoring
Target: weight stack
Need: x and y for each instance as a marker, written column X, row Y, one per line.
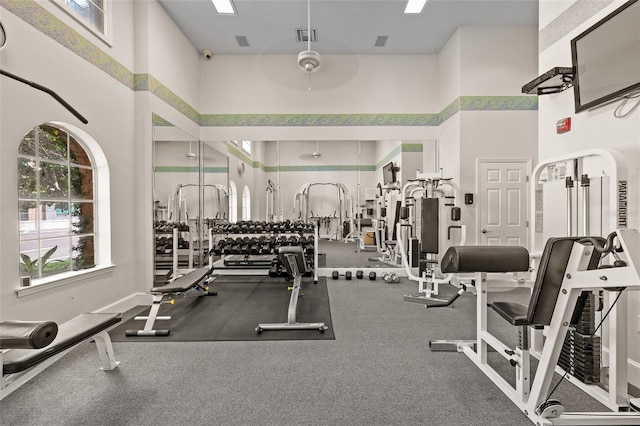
column 580, row 354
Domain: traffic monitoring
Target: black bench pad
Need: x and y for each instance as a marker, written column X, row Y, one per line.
column 70, row 334
column 183, row 283
column 27, row 334
column 485, row 259
column 515, row 313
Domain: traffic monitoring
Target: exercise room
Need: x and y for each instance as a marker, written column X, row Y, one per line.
column 319, row 212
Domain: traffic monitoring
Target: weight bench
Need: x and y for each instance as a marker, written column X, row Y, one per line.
column 29, row 347
column 293, row 260
column 568, row 266
column 194, row 283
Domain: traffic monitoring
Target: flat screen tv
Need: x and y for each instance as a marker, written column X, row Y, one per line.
column 606, row 58
column 389, row 174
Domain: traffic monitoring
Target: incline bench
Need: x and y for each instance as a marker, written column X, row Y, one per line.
column 194, row 283
column 29, row 347
column 292, row 258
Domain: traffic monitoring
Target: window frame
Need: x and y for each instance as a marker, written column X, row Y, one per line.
column 233, row 202
column 102, row 215
column 246, row 203
column 105, row 36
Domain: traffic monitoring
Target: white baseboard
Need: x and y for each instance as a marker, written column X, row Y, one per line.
column 129, row 302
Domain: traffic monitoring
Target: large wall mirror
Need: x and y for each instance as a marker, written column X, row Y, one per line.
column 343, row 186
column 190, row 194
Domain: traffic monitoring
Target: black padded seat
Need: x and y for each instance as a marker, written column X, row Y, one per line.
column 70, row 334
column 515, row 313
column 183, row 283
column 485, row 259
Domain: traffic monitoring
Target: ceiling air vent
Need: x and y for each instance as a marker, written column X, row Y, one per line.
column 381, row 41
column 242, row 41
column 302, row 35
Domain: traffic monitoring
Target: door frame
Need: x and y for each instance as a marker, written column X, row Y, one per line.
column 527, row 206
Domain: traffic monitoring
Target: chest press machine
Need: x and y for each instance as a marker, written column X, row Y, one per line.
column 568, row 266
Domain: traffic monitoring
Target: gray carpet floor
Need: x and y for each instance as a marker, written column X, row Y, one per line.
column 377, row 371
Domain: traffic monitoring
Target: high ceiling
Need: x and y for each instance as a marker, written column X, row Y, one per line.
column 342, row 26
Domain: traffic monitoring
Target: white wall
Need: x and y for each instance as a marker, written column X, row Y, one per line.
column 591, row 129
column 109, row 107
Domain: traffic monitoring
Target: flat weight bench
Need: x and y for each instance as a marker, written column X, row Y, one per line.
column 194, row 283
column 292, row 257
column 29, row 347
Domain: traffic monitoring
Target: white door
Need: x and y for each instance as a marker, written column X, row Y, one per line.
column 503, row 204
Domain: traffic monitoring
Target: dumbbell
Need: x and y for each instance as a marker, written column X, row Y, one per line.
column 372, row 276
column 359, row 274
column 390, row 277
column 336, row 274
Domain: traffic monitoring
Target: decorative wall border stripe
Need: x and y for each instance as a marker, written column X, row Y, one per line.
column 498, row 103
column 45, row 22
column 189, row 169
column 316, row 120
column 569, row 20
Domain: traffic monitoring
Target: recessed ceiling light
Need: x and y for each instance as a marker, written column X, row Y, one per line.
column 224, row 7
column 414, row 6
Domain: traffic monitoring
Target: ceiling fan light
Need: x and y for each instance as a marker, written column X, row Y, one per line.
column 309, row 60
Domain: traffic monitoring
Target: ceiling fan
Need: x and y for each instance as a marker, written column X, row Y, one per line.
column 335, row 69
column 314, row 155
column 191, row 155
column 309, row 60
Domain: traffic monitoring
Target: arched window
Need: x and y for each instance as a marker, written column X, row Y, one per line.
column 246, row 203
column 233, row 202
column 59, row 202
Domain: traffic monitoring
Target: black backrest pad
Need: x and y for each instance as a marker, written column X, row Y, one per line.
column 485, row 259
column 297, row 253
column 551, row 271
column 184, row 282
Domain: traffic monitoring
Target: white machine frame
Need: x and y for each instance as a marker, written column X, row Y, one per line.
column 529, row 395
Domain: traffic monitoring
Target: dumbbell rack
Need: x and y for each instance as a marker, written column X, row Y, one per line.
column 254, row 264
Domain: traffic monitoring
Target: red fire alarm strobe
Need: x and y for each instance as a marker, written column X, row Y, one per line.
column 564, row 125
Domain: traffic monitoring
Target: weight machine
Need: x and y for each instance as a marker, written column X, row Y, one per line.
column 177, row 203
column 271, row 202
column 597, row 207
column 343, row 214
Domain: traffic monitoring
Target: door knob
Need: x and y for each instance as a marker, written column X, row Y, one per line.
column 484, row 231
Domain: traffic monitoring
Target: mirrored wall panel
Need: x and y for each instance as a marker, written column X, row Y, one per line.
column 190, row 195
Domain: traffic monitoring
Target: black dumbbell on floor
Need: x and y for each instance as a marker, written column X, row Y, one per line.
column 335, row 274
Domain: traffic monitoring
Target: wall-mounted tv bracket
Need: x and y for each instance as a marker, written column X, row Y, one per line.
column 555, row 80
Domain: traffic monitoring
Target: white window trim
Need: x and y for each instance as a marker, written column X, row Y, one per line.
column 64, row 279
column 107, row 37
column 233, row 202
column 246, row 203
column 102, row 227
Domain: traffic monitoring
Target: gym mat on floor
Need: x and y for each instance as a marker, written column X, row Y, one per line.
column 241, row 303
